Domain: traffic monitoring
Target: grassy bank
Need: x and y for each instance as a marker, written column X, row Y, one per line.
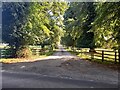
column 31, row 59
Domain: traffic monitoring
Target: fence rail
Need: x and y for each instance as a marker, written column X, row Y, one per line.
column 114, row 55
column 36, row 51
column 103, row 54
column 5, row 53
column 100, row 54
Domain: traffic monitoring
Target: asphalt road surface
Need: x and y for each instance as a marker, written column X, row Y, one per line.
column 30, row 80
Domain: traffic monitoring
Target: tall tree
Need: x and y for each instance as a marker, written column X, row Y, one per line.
column 57, row 11
column 107, row 25
column 78, row 21
column 13, row 17
column 34, row 23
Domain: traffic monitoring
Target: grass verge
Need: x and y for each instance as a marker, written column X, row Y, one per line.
column 31, row 59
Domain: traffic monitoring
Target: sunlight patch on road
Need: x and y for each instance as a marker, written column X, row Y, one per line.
column 22, row 67
column 2, row 70
column 61, row 57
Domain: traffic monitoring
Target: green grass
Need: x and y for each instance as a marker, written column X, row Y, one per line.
column 17, row 60
column 35, row 55
column 31, row 59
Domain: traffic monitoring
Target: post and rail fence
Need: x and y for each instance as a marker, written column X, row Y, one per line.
column 102, row 54
column 106, row 54
column 5, row 53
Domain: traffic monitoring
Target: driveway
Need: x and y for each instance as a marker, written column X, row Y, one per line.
column 64, row 66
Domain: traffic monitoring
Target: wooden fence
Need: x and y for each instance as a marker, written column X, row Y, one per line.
column 5, row 53
column 103, row 55
column 100, row 54
column 38, row 51
column 113, row 55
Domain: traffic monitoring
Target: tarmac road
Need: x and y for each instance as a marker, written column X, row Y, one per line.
column 32, row 80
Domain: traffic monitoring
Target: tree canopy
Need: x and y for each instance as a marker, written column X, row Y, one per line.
column 79, row 24
column 107, row 25
column 33, row 23
column 78, row 20
column 91, row 24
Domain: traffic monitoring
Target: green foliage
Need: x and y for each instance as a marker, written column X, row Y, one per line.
column 78, row 20
column 93, row 24
column 107, row 25
column 35, row 23
column 81, row 24
column 14, row 18
column 67, row 40
column 56, row 26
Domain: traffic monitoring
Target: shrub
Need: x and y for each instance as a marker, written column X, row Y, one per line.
column 24, row 52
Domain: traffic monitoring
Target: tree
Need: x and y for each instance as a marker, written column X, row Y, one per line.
column 57, row 11
column 94, row 24
column 106, row 26
column 34, row 23
column 14, row 17
column 78, row 19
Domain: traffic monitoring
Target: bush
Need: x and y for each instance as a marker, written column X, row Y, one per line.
column 24, row 52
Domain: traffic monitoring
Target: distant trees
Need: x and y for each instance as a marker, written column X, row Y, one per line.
column 91, row 24
column 32, row 23
column 78, row 20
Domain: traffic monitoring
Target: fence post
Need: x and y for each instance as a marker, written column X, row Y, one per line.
column 81, row 52
column 119, row 55
column 115, row 56
column 36, row 52
column 102, row 55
